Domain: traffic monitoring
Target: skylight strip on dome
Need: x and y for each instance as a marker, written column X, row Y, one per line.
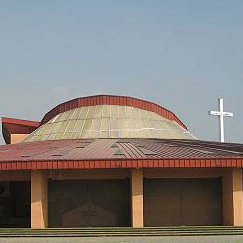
column 55, row 118
column 66, row 129
column 109, row 123
column 91, row 121
column 82, row 131
column 118, row 121
column 80, row 112
column 76, row 113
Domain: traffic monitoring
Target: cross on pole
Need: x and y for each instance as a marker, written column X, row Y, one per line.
column 221, row 114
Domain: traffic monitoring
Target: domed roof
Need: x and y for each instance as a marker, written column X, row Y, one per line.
column 109, row 117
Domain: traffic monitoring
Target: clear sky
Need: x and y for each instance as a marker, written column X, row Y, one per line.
column 182, row 55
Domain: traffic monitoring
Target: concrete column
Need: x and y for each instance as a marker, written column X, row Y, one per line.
column 39, row 203
column 237, row 197
column 232, row 197
column 137, row 197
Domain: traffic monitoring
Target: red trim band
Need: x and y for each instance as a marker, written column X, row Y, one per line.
column 112, row 100
column 112, row 164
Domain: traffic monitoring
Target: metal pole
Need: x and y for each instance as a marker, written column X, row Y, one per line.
column 221, row 120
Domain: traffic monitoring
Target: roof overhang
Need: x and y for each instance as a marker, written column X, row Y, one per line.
column 122, row 164
column 17, row 126
column 120, row 153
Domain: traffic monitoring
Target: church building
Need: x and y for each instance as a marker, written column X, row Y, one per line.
column 115, row 161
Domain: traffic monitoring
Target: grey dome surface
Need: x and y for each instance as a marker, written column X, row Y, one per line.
column 108, row 121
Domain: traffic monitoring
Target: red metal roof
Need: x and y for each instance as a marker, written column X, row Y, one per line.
column 112, row 100
column 17, row 126
column 119, row 153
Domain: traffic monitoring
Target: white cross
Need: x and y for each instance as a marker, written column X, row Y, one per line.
column 221, row 113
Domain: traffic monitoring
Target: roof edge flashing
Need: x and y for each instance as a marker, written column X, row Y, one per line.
column 112, row 100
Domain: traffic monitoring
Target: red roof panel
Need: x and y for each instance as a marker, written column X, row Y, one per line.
column 119, row 153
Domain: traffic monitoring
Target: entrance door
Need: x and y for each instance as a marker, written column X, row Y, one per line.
column 183, row 202
column 82, row 203
column 15, row 204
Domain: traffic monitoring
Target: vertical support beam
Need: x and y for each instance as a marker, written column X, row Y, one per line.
column 237, row 197
column 137, row 197
column 232, row 197
column 39, row 203
column 227, row 197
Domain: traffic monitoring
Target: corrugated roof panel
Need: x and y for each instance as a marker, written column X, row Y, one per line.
column 96, row 149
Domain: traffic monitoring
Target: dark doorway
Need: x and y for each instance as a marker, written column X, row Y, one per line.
column 15, row 204
column 183, row 202
column 83, row 203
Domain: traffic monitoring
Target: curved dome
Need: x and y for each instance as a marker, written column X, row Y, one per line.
column 108, row 121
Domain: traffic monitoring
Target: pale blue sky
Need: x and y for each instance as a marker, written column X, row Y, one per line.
column 182, row 55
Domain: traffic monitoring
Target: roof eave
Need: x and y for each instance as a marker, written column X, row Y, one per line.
column 17, row 126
